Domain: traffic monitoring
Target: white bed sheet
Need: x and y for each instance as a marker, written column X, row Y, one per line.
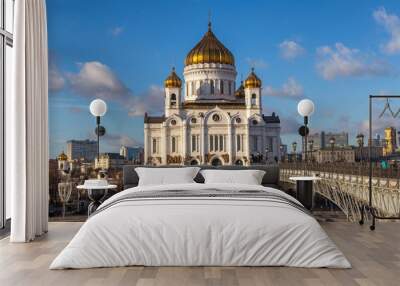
column 200, row 232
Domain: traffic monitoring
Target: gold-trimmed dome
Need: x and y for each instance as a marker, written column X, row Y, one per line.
column 240, row 91
column 173, row 80
column 252, row 81
column 209, row 50
column 62, row 157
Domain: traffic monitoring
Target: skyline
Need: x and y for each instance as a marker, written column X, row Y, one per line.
column 123, row 58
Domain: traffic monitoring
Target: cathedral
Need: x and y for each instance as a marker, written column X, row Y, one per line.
column 207, row 120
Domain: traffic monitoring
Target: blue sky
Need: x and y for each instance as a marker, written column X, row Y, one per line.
column 333, row 52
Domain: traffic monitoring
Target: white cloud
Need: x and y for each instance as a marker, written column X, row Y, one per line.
column 291, row 89
column 117, row 140
column 391, row 23
column 151, row 101
column 95, row 79
column 290, row 49
column 116, row 31
column 341, row 61
column 56, row 79
column 289, row 125
column 256, row 63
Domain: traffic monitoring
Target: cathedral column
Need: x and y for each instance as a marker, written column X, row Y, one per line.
column 184, row 142
column 230, row 143
column 147, row 146
column 202, row 142
column 164, row 144
column 246, row 143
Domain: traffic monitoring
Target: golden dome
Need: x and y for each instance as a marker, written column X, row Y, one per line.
column 173, row 80
column 240, row 91
column 209, row 50
column 62, row 157
column 252, row 80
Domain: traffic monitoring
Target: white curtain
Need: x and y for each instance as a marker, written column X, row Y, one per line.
column 27, row 124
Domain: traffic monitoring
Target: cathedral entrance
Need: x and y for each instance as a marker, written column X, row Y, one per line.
column 216, row 162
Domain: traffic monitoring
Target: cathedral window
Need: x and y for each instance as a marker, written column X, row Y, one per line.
column 211, row 86
column 230, row 87
column 238, row 120
column 221, row 86
column 174, row 145
column 195, row 143
column 173, row 122
column 173, row 99
column 238, row 143
column 215, row 143
column 154, row 147
column 216, row 117
column 211, row 143
column 221, row 142
column 253, row 99
column 193, row 87
column 193, row 120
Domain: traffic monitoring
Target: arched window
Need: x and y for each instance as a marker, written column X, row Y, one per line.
column 211, row 86
column 216, row 162
column 194, row 162
column 253, row 99
column 173, row 99
column 193, row 88
column 154, row 146
column 173, row 144
column 221, row 86
column 239, row 162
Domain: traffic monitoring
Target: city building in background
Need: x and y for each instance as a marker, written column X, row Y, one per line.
column 215, row 123
column 362, row 153
column 134, row 154
column 109, row 161
column 81, row 149
column 321, row 140
column 338, row 154
column 390, row 143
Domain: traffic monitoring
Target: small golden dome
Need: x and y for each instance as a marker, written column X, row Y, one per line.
column 209, row 50
column 62, row 157
column 240, row 91
column 252, row 81
column 173, row 80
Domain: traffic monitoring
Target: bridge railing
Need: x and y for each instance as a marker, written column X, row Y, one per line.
column 347, row 185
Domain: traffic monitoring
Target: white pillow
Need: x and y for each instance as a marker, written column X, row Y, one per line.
column 248, row 177
column 166, row 176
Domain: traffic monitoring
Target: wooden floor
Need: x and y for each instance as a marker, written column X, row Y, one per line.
column 375, row 257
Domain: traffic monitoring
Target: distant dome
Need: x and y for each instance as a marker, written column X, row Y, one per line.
column 209, row 50
column 252, row 80
column 173, row 80
column 240, row 91
column 62, row 157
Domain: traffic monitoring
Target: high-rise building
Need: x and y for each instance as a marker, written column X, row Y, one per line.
column 208, row 120
column 390, row 143
column 321, row 140
column 82, row 149
column 131, row 153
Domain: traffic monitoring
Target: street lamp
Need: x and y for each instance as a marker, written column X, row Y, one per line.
column 360, row 142
column 294, row 146
column 305, row 108
column 332, row 142
column 98, row 108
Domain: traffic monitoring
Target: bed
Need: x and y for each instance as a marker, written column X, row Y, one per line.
column 197, row 224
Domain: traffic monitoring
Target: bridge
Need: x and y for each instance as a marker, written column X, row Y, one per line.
column 347, row 186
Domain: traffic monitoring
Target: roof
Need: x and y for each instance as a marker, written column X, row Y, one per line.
column 153, row 119
column 272, row 118
column 112, row 155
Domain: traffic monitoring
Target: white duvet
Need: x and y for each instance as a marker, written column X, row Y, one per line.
column 193, row 231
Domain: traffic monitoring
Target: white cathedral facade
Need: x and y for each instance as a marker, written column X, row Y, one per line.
column 207, row 120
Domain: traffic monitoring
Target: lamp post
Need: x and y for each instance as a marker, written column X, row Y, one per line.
column 360, row 142
column 332, row 142
column 294, row 146
column 98, row 108
column 305, row 108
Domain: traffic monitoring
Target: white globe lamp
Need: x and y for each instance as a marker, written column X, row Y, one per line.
column 98, row 107
column 305, row 107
